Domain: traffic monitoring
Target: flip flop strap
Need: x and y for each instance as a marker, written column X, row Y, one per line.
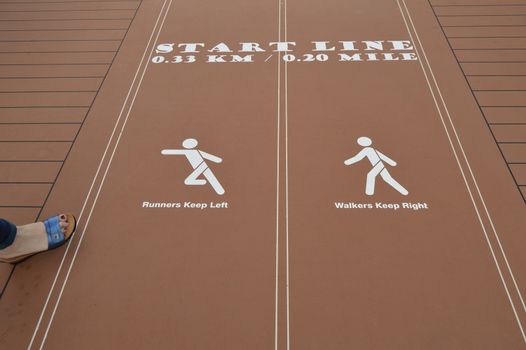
column 55, row 237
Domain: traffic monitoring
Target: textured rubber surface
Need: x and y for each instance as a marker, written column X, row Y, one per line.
column 294, row 254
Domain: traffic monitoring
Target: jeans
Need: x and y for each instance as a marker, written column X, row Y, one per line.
column 7, row 233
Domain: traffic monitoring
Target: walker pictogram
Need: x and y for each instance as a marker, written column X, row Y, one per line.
column 197, row 158
column 377, row 160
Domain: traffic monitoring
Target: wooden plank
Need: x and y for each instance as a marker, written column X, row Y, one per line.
column 44, row 1
column 514, row 152
column 523, row 191
column 482, row 21
column 50, row 84
column 488, row 43
column 501, row 98
column 19, row 216
column 31, row 151
column 46, row 99
column 494, row 68
column 509, row 133
column 497, row 83
column 474, row 2
column 29, row 171
column 57, row 58
column 5, row 272
column 42, row 115
column 519, row 173
column 64, row 25
column 14, row 195
column 55, row 35
column 60, row 46
column 505, row 114
column 58, row 71
column 70, row 6
column 66, row 15
column 480, row 10
column 491, row 55
column 38, row 132
column 485, row 31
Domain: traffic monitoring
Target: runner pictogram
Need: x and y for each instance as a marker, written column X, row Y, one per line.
column 377, row 160
column 197, row 158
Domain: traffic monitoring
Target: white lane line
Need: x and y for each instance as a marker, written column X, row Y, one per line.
column 454, row 150
column 37, row 327
column 287, row 181
column 102, row 183
column 276, row 316
column 496, row 235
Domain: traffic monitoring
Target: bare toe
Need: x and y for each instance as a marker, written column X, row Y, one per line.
column 63, row 225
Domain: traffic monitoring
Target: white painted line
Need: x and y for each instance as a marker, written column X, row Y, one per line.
column 103, row 179
column 268, row 58
column 99, row 189
column 276, row 315
column 501, row 248
column 454, row 150
column 287, row 183
column 93, row 183
column 100, row 186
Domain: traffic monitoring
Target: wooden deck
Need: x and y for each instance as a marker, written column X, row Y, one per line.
column 54, row 59
column 488, row 39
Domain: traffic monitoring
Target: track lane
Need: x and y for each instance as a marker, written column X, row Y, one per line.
column 381, row 278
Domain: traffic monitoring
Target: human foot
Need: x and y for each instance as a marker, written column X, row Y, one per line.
column 38, row 237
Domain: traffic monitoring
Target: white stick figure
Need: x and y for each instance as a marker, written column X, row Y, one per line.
column 196, row 158
column 376, row 158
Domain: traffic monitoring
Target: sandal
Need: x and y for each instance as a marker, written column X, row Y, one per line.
column 55, row 236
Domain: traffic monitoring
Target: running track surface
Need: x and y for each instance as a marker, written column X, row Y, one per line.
column 294, row 255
